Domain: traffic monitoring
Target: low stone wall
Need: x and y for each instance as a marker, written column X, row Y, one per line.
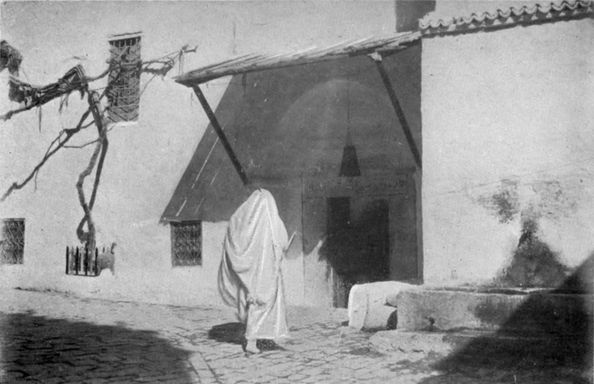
column 535, row 312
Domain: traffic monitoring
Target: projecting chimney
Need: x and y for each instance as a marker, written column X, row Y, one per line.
column 408, row 13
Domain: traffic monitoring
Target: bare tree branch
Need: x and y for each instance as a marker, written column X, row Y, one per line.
column 82, row 236
column 81, row 146
column 100, row 151
column 62, row 87
column 48, row 154
column 75, row 80
column 78, row 84
column 89, row 142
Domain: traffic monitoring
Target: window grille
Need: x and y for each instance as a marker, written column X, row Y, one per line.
column 12, row 241
column 124, row 79
column 186, row 243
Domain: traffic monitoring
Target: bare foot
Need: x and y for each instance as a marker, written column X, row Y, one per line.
column 249, row 347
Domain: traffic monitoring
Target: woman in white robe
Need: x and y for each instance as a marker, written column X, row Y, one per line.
column 250, row 276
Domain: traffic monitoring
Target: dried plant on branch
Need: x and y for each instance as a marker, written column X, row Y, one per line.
column 75, row 80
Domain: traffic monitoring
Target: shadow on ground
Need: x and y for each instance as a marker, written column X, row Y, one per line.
column 40, row 349
column 227, row 333
column 233, row 333
column 540, row 342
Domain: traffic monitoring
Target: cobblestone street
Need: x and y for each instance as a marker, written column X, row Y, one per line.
column 53, row 338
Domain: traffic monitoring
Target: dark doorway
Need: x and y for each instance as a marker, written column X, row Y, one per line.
column 339, row 252
column 357, row 246
column 339, row 215
column 373, row 233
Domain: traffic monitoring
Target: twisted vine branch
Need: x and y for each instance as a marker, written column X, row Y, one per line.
column 64, row 87
column 89, row 237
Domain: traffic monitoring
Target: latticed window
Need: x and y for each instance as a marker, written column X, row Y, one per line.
column 12, row 241
column 124, row 79
column 186, row 243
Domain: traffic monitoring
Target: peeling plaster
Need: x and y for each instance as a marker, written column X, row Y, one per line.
column 504, row 203
column 547, row 197
column 532, row 261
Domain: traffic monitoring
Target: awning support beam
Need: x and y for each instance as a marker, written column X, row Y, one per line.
column 217, row 127
column 377, row 58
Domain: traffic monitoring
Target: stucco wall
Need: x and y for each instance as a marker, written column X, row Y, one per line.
column 145, row 160
column 507, row 136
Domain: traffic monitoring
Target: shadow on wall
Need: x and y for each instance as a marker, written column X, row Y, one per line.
column 533, row 263
column 41, row 349
column 547, row 341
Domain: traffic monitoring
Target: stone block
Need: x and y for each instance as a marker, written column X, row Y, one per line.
column 368, row 308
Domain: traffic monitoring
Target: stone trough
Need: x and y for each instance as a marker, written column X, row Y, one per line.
column 489, row 309
column 391, row 305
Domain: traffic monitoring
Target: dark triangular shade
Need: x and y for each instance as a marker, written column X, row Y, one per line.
column 350, row 163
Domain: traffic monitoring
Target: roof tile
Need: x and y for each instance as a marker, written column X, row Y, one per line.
column 525, row 14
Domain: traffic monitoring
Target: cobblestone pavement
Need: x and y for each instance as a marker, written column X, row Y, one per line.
column 54, row 338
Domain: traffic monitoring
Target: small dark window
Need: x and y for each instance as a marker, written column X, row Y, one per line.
column 12, row 241
column 186, row 243
column 124, row 79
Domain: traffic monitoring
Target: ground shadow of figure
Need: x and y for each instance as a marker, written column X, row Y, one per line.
column 234, row 333
column 231, row 333
column 548, row 343
column 41, row 349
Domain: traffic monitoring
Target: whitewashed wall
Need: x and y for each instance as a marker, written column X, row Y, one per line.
column 145, row 160
column 508, row 133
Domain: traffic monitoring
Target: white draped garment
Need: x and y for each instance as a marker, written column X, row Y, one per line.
column 250, row 276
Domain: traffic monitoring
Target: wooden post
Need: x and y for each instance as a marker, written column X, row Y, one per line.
column 67, row 259
column 96, row 257
column 86, row 261
column 221, row 134
column 77, row 260
column 377, row 58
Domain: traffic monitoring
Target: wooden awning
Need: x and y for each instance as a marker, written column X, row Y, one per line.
column 383, row 45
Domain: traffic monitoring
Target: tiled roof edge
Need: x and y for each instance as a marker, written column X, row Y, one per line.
column 508, row 17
